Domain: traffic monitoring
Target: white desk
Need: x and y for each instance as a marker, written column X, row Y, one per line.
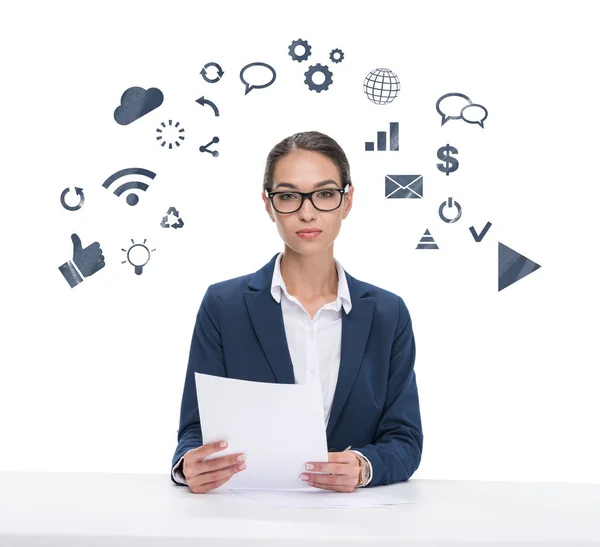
column 98, row 509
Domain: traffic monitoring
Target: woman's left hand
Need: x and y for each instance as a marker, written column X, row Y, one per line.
column 343, row 472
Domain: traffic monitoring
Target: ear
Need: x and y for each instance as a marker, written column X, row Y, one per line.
column 267, row 206
column 348, row 201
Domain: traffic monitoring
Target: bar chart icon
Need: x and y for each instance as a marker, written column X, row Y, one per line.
column 382, row 140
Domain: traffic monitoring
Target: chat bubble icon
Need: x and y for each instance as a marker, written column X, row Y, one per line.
column 250, row 74
column 474, row 113
column 450, row 106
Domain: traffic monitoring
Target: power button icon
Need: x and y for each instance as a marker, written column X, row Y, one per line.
column 450, row 204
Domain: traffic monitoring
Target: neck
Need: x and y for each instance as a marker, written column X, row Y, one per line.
column 311, row 276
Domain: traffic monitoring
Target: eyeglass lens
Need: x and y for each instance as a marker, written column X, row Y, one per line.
column 325, row 200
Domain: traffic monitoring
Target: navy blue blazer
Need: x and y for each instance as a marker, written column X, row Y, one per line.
column 239, row 333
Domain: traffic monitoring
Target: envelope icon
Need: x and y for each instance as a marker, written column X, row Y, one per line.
column 404, row 186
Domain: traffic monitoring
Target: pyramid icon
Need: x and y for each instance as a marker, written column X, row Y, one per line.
column 512, row 266
column 427, row 242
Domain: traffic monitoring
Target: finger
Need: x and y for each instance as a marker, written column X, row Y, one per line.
column 327, row 479
column 203, row 488
column 220, row 474
column 76, row 243
column 220, row 463
column 198, row 454
column 335, row 468
column 335, row 488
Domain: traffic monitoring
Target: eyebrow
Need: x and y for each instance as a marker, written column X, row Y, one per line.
column 317, row 185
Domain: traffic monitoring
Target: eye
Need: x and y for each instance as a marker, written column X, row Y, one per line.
column 286, row 196
column 325, row 194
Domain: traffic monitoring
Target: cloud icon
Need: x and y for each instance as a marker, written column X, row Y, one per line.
column 137, row 102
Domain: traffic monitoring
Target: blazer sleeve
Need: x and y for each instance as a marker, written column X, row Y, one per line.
column 206, row 356
column 396, row 453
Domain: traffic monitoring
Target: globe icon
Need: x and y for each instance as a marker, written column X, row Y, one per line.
column 381, row 86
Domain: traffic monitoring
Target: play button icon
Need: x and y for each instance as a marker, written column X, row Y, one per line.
column 512, row 266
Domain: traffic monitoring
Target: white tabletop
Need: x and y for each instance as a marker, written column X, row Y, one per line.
column 75, row 509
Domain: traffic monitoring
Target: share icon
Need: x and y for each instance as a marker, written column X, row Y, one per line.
column 204, row 148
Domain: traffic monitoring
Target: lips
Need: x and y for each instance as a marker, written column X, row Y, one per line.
column 308, row 231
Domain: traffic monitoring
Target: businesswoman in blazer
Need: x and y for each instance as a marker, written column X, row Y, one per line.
column 302, row 318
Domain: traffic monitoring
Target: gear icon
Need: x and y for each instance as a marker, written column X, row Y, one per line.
column 294, row 45
column 334, row 58
column 309, row 77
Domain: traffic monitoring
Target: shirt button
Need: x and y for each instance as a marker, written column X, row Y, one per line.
column 312, row 372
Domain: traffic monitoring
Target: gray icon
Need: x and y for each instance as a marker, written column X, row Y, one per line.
column 381, row 86
column 137, row 102
column 427, row 242
column 79, row 192
column 202, row 101
column 382, row 137
column 85, row 262
column 170, row 134
column 138, row 255
column 450, row 204
column 310, row 74
column 512, row 266
column 204, row 148
column 132, row 199
column 478, row 237
column 219, row 73
column 336, row 55
column 249, row 86
column 457, row 106
column 403, row 186
column 165, row 220
column 450, row 163
column 305, row 50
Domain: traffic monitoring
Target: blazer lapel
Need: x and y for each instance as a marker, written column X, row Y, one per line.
column 267, row 320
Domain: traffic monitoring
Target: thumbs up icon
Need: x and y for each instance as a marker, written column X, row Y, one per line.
column 85, row 262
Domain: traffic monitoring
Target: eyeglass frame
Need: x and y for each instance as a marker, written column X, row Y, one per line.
column 309, row 195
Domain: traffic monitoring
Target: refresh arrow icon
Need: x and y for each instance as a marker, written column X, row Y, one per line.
column 79, row 192
column 202, row 101
column 220, row 72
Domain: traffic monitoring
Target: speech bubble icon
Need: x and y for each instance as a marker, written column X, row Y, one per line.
column 257, row 77
column 474, row 113
column 453, row 104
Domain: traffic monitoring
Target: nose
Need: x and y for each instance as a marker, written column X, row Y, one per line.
column 307, row 207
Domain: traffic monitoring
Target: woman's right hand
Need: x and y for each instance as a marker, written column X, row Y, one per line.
column 203, row 476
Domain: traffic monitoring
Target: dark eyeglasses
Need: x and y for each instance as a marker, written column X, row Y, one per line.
column 324, row 199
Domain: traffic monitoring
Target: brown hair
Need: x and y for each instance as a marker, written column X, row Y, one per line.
column 307, row 140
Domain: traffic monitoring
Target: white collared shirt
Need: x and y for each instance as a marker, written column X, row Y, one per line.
column 314, row 344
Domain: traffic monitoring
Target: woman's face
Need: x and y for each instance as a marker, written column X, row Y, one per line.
column 301, row 171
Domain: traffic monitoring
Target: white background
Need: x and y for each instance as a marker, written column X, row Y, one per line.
column 91, row 377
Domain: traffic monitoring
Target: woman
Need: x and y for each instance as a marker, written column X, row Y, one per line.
column 302, row 318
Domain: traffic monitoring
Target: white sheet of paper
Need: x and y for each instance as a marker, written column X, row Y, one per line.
column 279, row 427
column 324, row 498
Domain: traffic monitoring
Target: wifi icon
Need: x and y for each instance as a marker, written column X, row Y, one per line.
column 132, row 199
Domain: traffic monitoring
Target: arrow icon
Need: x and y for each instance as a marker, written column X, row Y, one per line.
column 219, row 72
column 79, row 192
column 202, row 101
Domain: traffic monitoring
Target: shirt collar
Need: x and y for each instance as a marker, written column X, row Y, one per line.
column 343, row 296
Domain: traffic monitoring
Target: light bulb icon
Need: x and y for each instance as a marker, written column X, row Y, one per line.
column 138, row 255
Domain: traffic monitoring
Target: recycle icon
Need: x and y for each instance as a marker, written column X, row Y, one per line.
column 165, row 219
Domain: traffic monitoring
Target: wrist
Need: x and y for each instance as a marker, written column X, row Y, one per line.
column 71, row 273
column 362, row 470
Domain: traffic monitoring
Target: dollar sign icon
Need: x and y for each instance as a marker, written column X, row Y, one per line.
column 451, row 164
